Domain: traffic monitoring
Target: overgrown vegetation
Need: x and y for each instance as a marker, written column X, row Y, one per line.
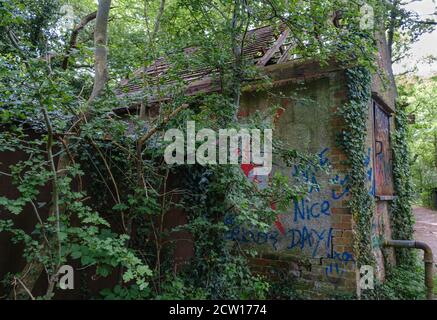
column 110, row 190
column 401, row 211
column 353, row 139
column 419, row 96
column 401, row 283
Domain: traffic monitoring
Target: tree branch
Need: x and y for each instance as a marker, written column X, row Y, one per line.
column 166, row 119
column 73, row 39
column 428, row 22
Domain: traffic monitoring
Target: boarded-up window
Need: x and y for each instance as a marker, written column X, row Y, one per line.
column 383, row 153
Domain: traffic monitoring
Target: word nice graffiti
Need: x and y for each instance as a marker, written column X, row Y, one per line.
column 307, row 225
column 228, row 144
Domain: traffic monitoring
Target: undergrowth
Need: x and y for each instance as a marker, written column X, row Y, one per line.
column 402, row 283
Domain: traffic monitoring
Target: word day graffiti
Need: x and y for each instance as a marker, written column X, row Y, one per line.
column 302, row 238
column 307, row 226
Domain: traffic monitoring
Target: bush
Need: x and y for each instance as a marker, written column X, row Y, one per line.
column 402, row 283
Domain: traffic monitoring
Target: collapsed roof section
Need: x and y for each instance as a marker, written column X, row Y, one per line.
column 262, row 46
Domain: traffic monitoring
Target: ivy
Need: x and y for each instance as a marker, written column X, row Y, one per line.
column 355, row 115
column 402, row 216
column 353, row 139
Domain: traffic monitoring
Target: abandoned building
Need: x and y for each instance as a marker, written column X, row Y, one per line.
column 314, row 240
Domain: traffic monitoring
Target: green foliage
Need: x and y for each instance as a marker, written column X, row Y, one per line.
column 402, row 215
column 405, row 27
column 31, row 21
column 402, row 283
column 355, row 115
column 131, row 292
column 285, row 287
column 219, row 268
column 109, row 204
column 418, row 97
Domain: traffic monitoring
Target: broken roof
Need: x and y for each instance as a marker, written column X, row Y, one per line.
column 263, row 46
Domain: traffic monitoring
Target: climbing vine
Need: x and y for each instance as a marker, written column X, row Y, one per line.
column 402, row 217
column 355, row 116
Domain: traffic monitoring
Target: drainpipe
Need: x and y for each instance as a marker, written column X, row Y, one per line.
column 428, row 259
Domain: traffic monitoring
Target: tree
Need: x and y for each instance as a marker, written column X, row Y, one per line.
column 101, row 51
column 420, row 96
column 405, row 27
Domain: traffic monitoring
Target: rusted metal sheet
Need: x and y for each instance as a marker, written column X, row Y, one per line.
column 383, row 153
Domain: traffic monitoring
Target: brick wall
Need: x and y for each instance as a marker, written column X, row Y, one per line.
column 311, row 243
column 319, row 268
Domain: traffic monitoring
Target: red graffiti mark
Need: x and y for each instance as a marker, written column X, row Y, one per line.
column 247, row 168
column 280, row 227
column 278, row 115
column 278, row 222
column 243, row 114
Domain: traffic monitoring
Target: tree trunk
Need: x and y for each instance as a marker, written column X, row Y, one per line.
column 392, row 27
column 101, row 49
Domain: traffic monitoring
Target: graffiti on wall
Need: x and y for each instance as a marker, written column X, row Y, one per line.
column 306, row 227
column 369, row 172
